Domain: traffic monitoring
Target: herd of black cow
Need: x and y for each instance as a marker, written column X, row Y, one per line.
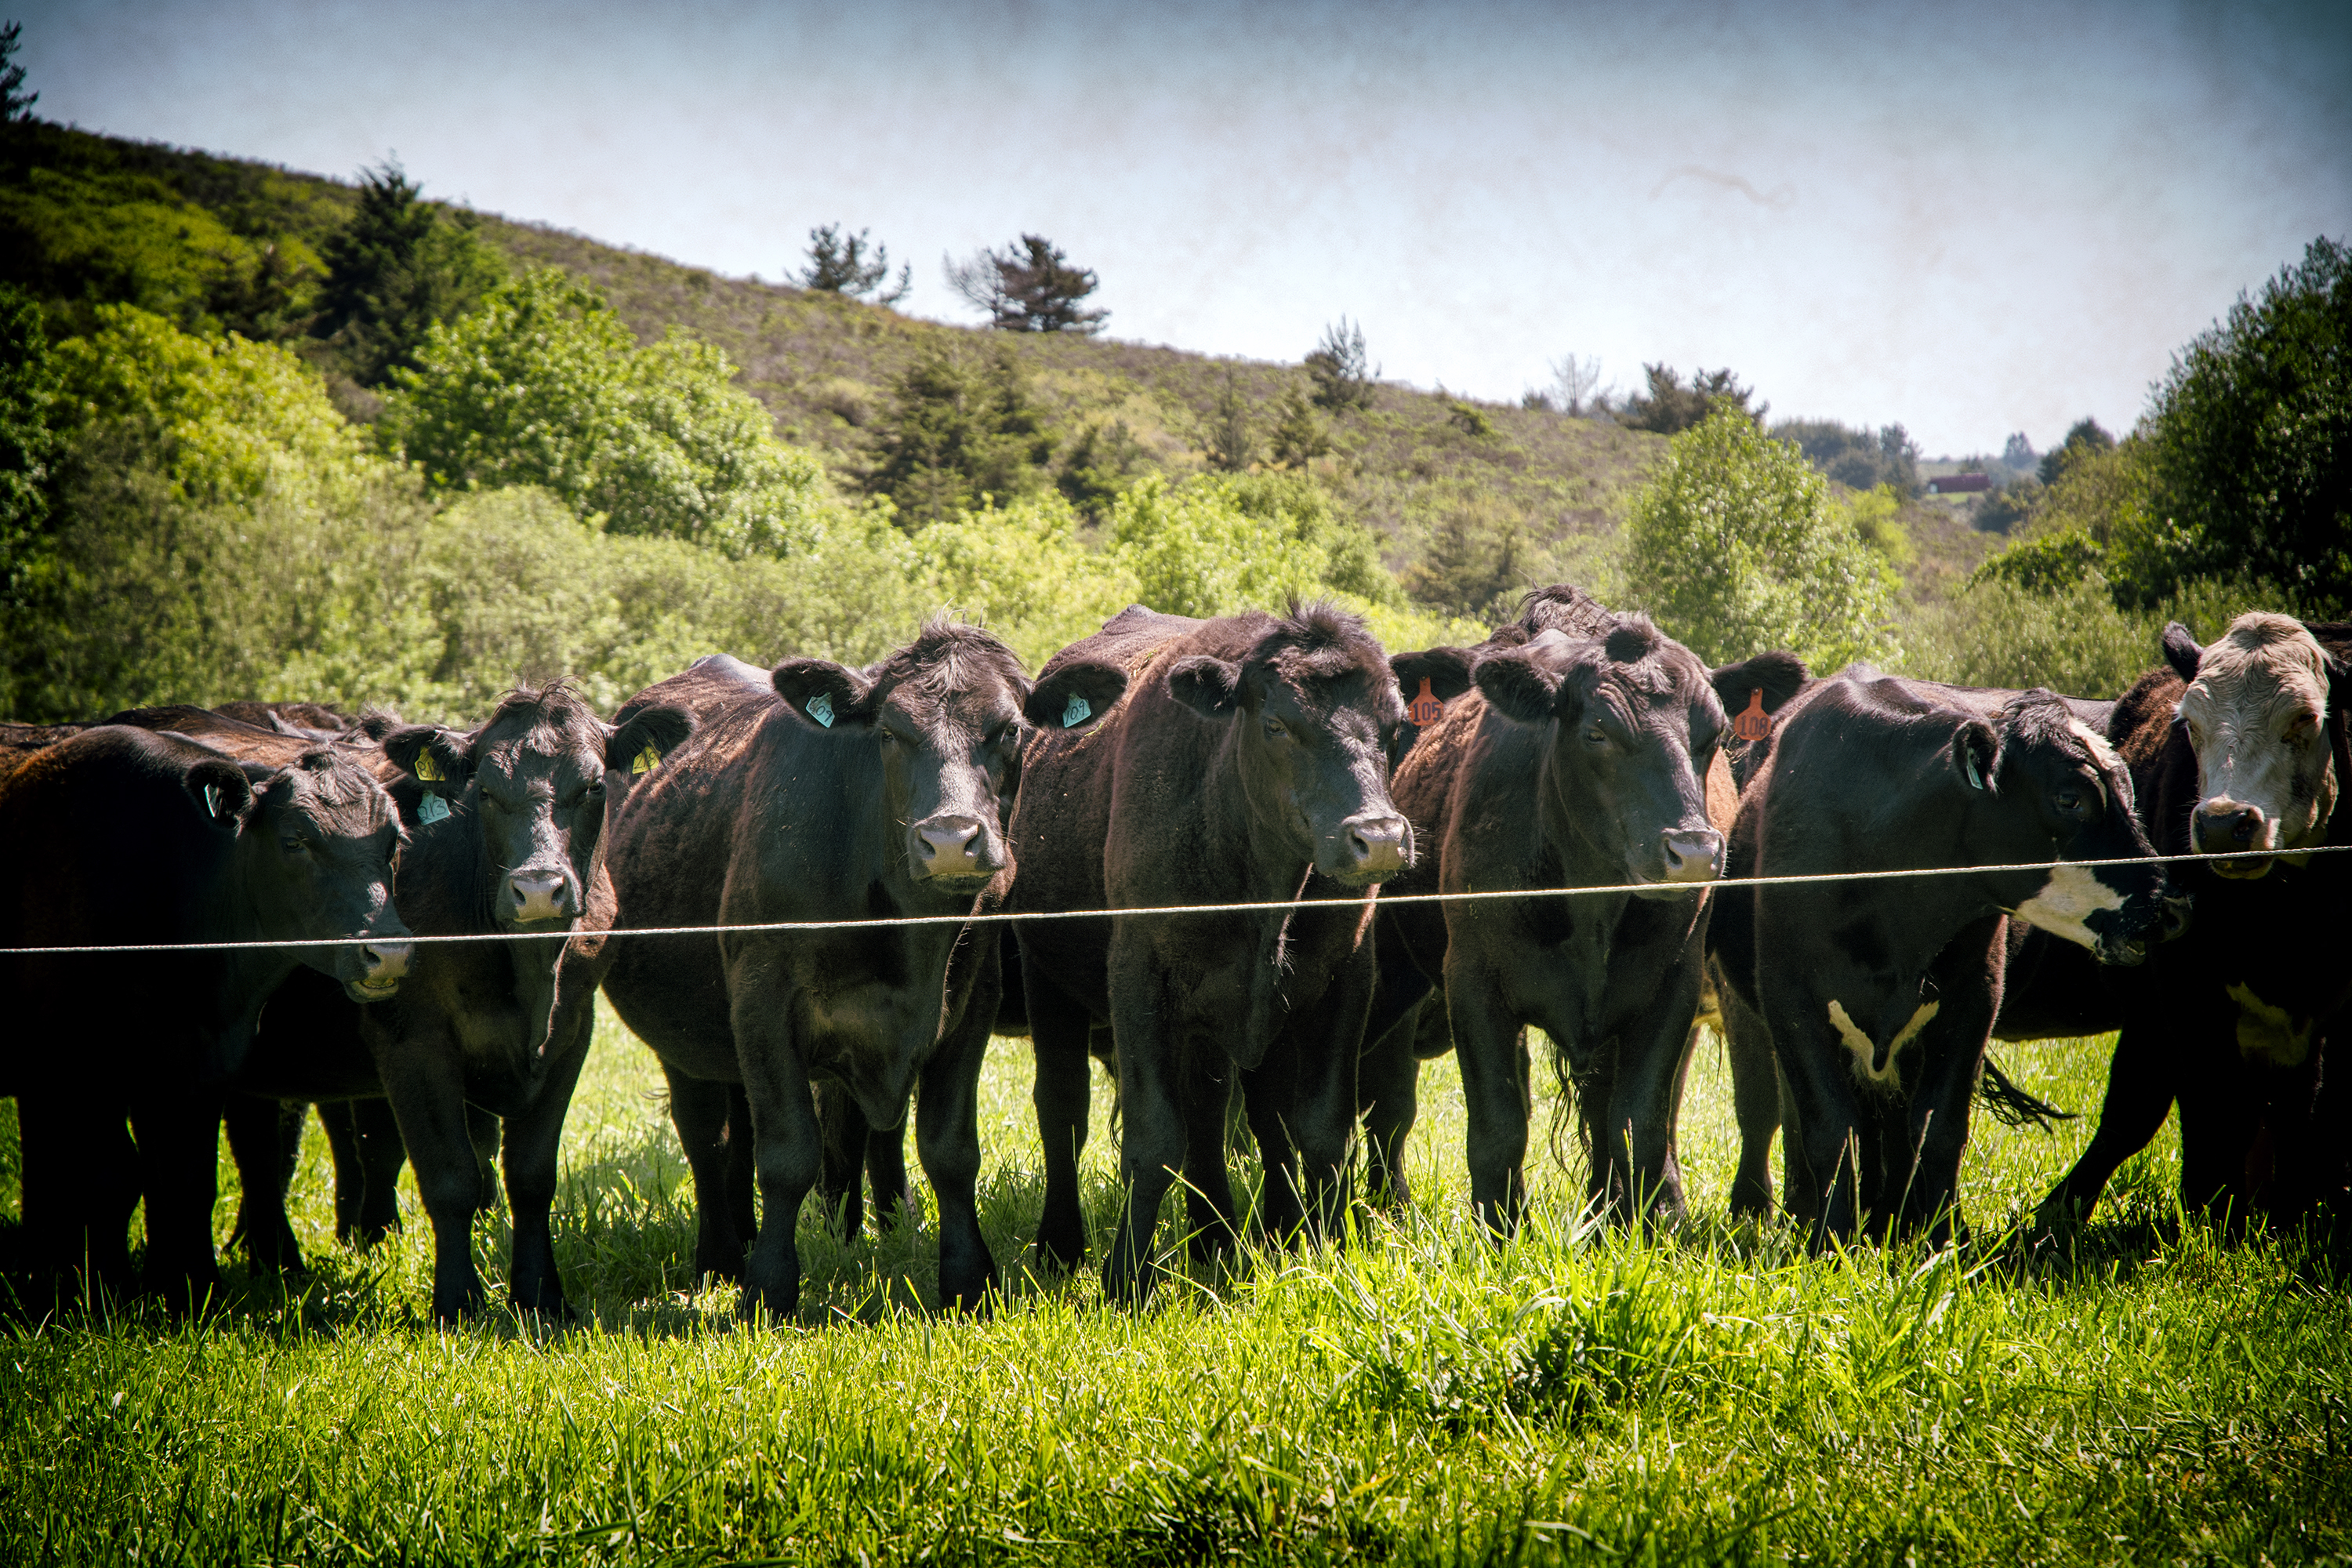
column 1588, row 771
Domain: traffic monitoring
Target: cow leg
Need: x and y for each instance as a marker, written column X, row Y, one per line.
column 1151, row 1145
column 698, row 1107
column 1215, row 1219
column 1058, row 1029
column 1653, row 1047
column 1330, row 1045
column 428, row 1090
column 533, row 1142
column 265, row 1138
column 947, row 1141
column 742, row 1185
column 787, row 1147
column 840, row 1186
column 1387, row 1082
column 79, row 1184
column 2221, row 1124
column 179, row 1162
column 1270, row 1101
column 381, row 1155
column 342, row 1132
column 1825, row 1131
column 1494, row 1096
column 886, row 1172
column 2142, row 1076
column 484, row 1131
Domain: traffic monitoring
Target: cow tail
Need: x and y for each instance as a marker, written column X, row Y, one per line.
column 2011, row 1106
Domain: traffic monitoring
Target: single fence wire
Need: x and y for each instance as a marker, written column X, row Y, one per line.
column 1008, row 917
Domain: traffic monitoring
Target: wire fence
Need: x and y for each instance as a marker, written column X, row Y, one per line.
column 1008, row 917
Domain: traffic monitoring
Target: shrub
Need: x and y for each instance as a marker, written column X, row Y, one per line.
column 1735, row 548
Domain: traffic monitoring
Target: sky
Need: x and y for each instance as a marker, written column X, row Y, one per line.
column 1973, row 219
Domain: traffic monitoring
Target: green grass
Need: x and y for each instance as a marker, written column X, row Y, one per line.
column 1419, row 1396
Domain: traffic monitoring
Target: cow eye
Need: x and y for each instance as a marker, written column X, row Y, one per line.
column 292, row 845
column 1594, row 735
column 2070, row 798
column 1274, row 727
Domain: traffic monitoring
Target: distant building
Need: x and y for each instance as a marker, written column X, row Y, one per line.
column 1960, row 485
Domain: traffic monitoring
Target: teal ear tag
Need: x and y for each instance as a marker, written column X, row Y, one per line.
column 212, row 800
column 820, row 708
column 1976, row 779
column 1076, row 712
column 432, row 808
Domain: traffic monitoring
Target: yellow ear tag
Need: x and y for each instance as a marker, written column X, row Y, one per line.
column 645, row 761
column 427, row 769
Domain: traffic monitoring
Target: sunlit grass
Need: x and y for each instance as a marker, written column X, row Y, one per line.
column 1420, row 1395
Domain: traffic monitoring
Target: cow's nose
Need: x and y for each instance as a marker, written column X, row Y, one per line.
column 387, row 962
column 1693, row 854
column 2225, row 825
column 538, row 895
column 1379, row 844
column 948, row 847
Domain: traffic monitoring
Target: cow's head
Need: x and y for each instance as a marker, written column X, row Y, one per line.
column 1314, row 711
column 530, row 786
column 2039, row 785
column 2256, row 712
column 319, row 840
column 1630, row 722
column 949, row 714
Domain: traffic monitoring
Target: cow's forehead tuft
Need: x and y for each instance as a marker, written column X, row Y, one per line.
column 945, row 658
column 2262, row 657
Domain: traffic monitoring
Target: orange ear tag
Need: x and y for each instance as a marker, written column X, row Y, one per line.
column 1426, row 709
column 1753, row 724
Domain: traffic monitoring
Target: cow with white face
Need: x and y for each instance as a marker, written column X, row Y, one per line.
column 2237, row 748
column 2255, row 709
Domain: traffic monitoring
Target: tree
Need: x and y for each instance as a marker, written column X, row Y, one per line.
column 2087, row 437
column 544, row 385
column 1099, row 465
column 1574, row 382
column 29, row 434
column 1298, row 437
column 1029, row 287
column 2018, row 453
column 1342, row 374
column 1735, row 548
column 961, row 425
column 1230, row 443
column 838, row 264
column 1669, row 408
column 15, row 103
column 2250, row 438
column 394, row 272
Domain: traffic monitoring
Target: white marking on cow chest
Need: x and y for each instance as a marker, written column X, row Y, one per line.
column 2268, row 1032
column 1868, row 1065
column 2066, row 902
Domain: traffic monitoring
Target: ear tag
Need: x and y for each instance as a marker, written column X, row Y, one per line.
column 1753, row 724
column 1426, row 708
column 820, row 708
column 1976, row 779
column 427, row 769
column 211, row 802
column 432, row 808
column 645, row 761
column 1076, row 712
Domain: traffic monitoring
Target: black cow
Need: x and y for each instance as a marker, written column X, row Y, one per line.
column 2243, row 744
column 1578, row 762
column 831, row 795
column 1248, row 762
column 118, row 836
column 1877, row 998
column 507, row 823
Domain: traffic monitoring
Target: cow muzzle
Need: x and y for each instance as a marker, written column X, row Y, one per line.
column 2222, row 827
column 954, row 849
column 535, row 896
column 1692, row 855
column 1372, row 846
column 383, row 966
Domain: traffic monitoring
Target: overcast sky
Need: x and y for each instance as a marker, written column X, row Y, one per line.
column 1974, row 219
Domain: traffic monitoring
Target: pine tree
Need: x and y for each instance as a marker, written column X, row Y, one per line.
column 1343, row 375
column 1030, row 287
column 16, row 104
column 838, row 264
column 394, row 271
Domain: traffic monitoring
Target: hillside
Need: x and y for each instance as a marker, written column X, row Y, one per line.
column 1471, row 504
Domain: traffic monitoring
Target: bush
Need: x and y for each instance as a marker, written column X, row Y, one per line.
column 545, row 385
column 1734, row 548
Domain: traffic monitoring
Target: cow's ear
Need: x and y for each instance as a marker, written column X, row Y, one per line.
column 1074, row 695
column 2180, row 650
column 441, row 759
column 639, row 745
column 1518, row 688
column 823, row 692
column 1976, row 756
column 375, row 725
column 1448, row 671
column 221, row 790
column 1207, row 685
column 1774, row 677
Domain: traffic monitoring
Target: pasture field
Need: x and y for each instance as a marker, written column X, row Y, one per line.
column 2156, row 1396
